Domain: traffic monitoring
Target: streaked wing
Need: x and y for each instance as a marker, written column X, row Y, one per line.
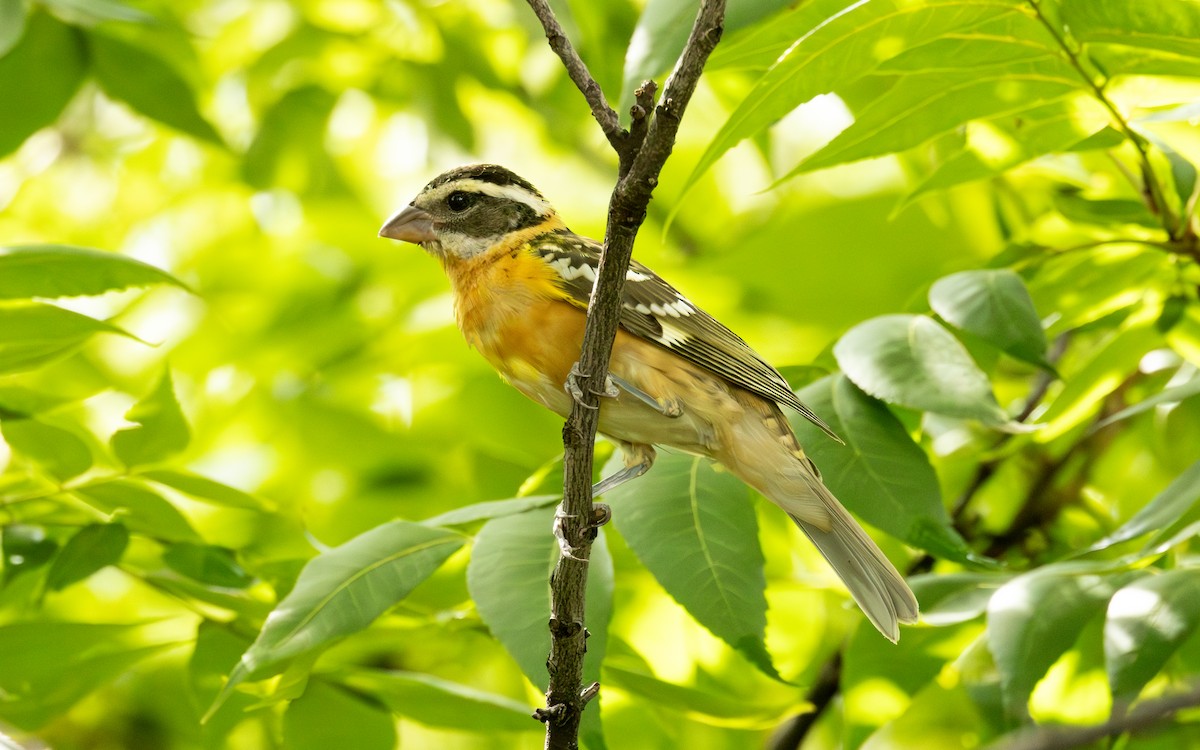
column 654, row 310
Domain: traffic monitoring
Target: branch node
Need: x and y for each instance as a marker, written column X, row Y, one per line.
column 554, row 714
column 588, row 693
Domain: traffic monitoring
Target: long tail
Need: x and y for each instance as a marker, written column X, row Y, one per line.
column 871, row 578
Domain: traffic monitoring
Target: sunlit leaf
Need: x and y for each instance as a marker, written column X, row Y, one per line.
column 46, row 666
column 436, row 702
column 33, row 333
column 12, row 24
column 147, row 84
column 139, row 508
column 42, row 72
column 91, row 12
column 705, row 705
column 1172, row 395
column 912, row 361
column 204, row 489
column 694, row 528
column 840, row 50
column 994, row 305
column 161, row 429
column 66, row 271
column 1179, row 502
column 62, row 453
column 1036, row 617
column 491, row 509
column 1148, row 620
column 341, row 592
column 330, row 716
column 880, row 473
column 90, row 549
column 1167, row 25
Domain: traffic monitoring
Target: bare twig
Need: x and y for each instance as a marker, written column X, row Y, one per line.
column 641, row 156
column 604, row 114
column 1060, row 738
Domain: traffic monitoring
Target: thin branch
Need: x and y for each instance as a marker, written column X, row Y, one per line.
column 791, row 735
column 1145, row 715
column 641, row 162
column 578, row 70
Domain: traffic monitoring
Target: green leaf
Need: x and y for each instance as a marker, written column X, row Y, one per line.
column 66, row 271
column 726, row 709
column 341, row 592
column 90, row 549
column 12, row 24
column 205, row 563
column 289, row 149
column 141, row 509
column 840, row 50
column 880, row 473
column 1085, row 390
column 1178, row 503
column 491, row 509
column 694, row 529
column 436, row 702
column 953, row 598
column 1148, row 621
column 46, row 666
column 42, row 72
column 920, row 107
column 62, row 453
column 161, row 431
column 34, row 333
column 26, row 548
column 91, row 12
column 148, row 85
column 912, row 361
column 1165, row 25
column 994, row 305
column 662, row 31
column 1172, row 395
column 329, row 716
column 204, row 489
column 1103, row 212
column 509, row 580
column 1036, row 617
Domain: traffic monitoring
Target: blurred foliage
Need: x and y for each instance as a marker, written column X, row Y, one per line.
column 222, row 398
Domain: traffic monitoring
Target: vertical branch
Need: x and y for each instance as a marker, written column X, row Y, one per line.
column 642, row 154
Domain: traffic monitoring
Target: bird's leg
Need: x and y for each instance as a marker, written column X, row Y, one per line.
column 573, row 387
column 670, row 408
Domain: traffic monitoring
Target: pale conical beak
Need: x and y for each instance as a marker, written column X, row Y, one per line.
column 412, row 224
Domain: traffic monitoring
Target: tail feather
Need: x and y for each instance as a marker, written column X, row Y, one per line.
column 870, row 577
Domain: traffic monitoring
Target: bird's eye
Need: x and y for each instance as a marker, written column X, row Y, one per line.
column 459, row 201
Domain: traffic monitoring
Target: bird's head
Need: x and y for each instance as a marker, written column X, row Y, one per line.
column 467, row 210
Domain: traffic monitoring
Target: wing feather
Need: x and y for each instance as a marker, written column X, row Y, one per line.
column 653, row 310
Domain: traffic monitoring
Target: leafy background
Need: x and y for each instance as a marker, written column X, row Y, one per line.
column 965, row 229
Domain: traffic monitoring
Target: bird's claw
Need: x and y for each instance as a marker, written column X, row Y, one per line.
column 601, row 514
column 573, row 387
column 560, row 533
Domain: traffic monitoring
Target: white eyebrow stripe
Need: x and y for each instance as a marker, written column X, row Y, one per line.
column 505, row 192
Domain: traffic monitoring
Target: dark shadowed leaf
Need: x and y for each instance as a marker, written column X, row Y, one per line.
column 436, row 702
column 161, row 430
column 25, row 548
column 341, row 592
column 912, row 361
column 994, row 305
column 1147, row 622
column 66, row 271
column 90, row 549
column 880, row 473
column 42, row 72
column 205, row 563
column 694, row 528
column 148, row 84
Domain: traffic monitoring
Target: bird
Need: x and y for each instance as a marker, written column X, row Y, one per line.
column 678, row 378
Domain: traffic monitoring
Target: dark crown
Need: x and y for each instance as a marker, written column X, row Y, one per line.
column 493, row 173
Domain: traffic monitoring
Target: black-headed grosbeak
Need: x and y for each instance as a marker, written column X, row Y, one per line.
column 679, row 378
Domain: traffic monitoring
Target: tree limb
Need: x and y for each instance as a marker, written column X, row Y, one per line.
column 641, row 156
